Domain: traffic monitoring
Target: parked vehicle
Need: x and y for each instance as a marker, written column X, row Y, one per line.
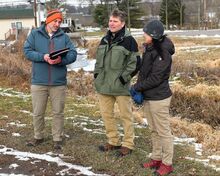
column 69, row 25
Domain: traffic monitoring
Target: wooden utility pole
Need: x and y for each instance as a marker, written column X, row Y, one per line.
column 129, row 19
column 35, row 13
column 205, row 15
column 166, row 15
column 199, row 11
column 181, row 14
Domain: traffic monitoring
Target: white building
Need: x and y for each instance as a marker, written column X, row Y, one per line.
column 12, row 20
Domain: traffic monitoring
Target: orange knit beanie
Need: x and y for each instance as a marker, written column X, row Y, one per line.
column 53, row 15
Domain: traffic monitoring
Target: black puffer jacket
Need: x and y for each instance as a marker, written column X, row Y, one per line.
column 155, row 70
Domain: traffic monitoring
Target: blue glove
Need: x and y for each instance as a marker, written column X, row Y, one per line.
column 136, row 96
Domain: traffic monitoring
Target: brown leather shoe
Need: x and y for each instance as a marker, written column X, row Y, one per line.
column 57, row 145
column 108, row 147
column 34, row 142
column 124, row 151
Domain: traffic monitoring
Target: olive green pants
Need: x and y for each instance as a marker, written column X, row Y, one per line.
column 40, row 95
column 157, row 114
column 107, row 103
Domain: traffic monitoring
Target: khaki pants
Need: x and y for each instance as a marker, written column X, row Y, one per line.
column 107, row 103
column 40, row 96
column 157, row 114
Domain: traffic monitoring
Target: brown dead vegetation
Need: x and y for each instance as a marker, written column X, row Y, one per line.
column 197, row 103
column 204, row 134
column 196, row 97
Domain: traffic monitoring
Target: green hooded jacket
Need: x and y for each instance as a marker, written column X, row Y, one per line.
column 116, row 63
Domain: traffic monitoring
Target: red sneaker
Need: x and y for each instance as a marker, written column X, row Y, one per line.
column 164, row 169
column 152, row 164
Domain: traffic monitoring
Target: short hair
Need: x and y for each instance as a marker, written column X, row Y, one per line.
column 118, row 13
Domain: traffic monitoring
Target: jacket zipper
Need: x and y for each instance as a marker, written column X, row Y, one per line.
column 51, row 49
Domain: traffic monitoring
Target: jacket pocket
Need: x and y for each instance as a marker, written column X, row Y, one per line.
column 100, row 54
column 118, row 57
column 98, row 82
column 118, row 87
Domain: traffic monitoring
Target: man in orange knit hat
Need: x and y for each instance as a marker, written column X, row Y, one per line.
column 49, row 75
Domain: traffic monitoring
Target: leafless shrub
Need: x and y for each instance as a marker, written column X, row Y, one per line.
column 92, row 46
column 81, row 83
column 194, row 68
column 197, row 103
column 204, row 134
column 13, row 64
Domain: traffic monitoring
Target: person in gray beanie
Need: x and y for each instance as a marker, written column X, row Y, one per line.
column 153, row 83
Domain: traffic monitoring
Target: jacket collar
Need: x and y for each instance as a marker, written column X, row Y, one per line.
column 42, row 29
column 148, row 47
column 117, row 36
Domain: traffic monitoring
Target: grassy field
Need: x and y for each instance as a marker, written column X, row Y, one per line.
column 195, row 108
column 84, row 131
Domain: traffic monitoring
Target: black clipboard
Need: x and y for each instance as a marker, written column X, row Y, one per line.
column 60, row 52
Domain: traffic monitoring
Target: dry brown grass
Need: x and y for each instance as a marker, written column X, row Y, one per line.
column 197, row 98
column 193, row 101
column 186, row 41
column 92, row 47
column 13, row 64
column 81, row 83
column 197, row 103
column 12, row 59
column 204, row 134
column 197, row 67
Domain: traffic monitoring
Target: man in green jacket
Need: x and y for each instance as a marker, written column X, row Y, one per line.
column 116, row 63
column 48, row 75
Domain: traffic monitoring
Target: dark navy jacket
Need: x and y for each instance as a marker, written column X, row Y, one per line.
column 153, row 78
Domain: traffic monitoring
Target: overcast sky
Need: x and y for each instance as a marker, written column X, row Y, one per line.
column 2, row 2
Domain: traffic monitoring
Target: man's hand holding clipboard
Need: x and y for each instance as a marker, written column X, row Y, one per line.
column 55, row 57
column 60, row 52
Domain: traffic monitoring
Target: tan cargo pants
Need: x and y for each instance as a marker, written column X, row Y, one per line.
column 107, row 103
column 40, row 95
column 157, row 114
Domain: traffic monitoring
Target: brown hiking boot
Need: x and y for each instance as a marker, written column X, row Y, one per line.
column 108, row 147
column 34, row 142
column 124, row 151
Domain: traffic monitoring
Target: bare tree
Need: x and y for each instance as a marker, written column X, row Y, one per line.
column 54, row 4
column 90, row 2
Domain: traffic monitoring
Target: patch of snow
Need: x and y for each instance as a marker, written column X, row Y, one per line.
column 81, row 170
column 205, row 162
column 18, row 124
column 86, row 129
column 16, row 134
column 184, row 140
column 198, row 149
column 3, row 174
column 214, row 157
column 26, row 112
column 4, row 117
column 11, row 93
column 67, row 136
column 36, row 161
column 198, row 48
column 93, row 29
column 13, row 166
column 82, row 63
